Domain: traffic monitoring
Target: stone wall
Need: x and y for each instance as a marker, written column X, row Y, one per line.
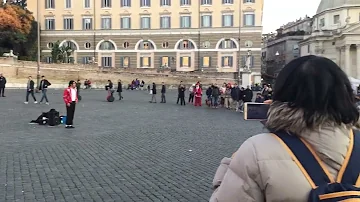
column 17, row 72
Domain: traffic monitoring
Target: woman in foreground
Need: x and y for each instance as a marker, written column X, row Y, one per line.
column 312, row 99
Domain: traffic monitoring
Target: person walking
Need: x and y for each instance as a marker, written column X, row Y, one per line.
column 119, row 89
column 2, row 85
column 191, row 93
column 198, row 95
column 163, row 91
column 227, row 97
column 70, row 98
column 30, row 90
column 235, row 95
column 153, row 97
column 44, row 83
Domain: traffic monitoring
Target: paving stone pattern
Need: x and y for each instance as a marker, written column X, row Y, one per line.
column 129, row 150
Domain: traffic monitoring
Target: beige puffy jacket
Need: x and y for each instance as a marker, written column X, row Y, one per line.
column 262, row 170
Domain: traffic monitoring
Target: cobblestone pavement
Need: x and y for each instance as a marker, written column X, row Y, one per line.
column 129, row 150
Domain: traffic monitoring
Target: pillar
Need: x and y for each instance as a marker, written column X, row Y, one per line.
column 357, row 61
column 347, row 60
column 246, row 78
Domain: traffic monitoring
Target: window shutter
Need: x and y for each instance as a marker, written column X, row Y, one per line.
column 181, row 22
column 201, row 62
column 161, row 2
column 253, row 19
column 244, row 1
column 223, row 20
column 181, row 61
column 189, row 21
column 150, row 64
column 161, row 22
column 210, row 20
column 121, row 23
column 253, row 1
column 231, row 61
column 160, row 62
column 169, row 22
column 222, row 61
column 149, row 3
column 232, row 20
column 252, row 61
column 129, row 3
column 190, row 2
column 141, row 3
column 121, row 61
column 149, row 23
column 202, row 21
column 129, row 21
column 189, row 62
column 244, row 20
column 110, row 23
column 141, row 61
column 102, row 3
column 128, row 59
column 169, row 2
column 209, row 61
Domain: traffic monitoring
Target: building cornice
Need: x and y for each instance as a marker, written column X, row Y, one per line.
column 282, row 39
column 335, row 9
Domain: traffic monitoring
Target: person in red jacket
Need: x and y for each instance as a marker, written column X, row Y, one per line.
column 197, row 94
column 70, row 98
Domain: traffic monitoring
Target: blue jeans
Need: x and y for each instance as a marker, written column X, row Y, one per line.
column 44, row 96
column 215, row 101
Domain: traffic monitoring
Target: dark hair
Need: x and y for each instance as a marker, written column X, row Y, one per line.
column 319, row 87
column 71, row 82
column 42, row 76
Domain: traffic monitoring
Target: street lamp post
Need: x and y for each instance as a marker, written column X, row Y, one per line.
column 239, row 48
column 38, row 45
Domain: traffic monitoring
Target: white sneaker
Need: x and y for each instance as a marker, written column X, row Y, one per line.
column 47, row 103
column 26, row 103
column 35, row 102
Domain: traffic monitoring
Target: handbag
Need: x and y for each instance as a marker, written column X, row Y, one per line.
column 151, row 92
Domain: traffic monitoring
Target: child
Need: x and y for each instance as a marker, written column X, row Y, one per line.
column 259, row 98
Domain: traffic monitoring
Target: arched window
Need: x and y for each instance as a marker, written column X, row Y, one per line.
column 227, row 44
column 70, row 44
column 146, row 45
column 107, row 45
column 185, row 45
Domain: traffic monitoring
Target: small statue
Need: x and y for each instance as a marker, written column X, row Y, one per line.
column 248, row 61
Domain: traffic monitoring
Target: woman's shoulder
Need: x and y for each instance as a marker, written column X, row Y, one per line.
column 263, row 146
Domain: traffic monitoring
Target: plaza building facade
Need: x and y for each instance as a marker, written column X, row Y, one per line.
column 336, row 34
column 184, row 35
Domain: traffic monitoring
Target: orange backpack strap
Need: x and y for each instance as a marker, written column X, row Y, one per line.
column 350, row 170
column 307, row 160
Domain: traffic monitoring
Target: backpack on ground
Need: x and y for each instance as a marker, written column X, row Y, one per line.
column 53, row 118
column 325, row 189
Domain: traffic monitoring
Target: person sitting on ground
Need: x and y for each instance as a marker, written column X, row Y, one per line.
column 313, row 104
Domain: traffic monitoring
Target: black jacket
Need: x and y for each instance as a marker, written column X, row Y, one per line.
column 119, row 87
column 154, row 89
column 109, row 86
column 2, row 82
column 182, row 92
column 209, row 91
column 31, row 86
column 215, row 91
column 248, row 95
column 235, row 93
column 163, row 89
column 44, row 84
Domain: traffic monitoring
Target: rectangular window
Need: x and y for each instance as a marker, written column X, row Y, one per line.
column 50, row 4
column 106, row 22
column 67, row 4
column 336, row 19
column 125, row 3
column 249, row 19
column 125, row 23
column 228, row 1
column 206, row 2
column 164, row 61
column 205, row 61
column 227, row 61
column 165, row 22
column 145, row 3
column 185, row 22
column 227, row 20
column 165, row 2
column 105, row 3
column 145, row 62
column 249, row 1
column 68, row 23
column 125, row 62
column 185, row 2
column 185, row 61
column 86, row 60
column 87, row 23
column 106, row 61
column 206, row 21
column 145, row 23
column 322, row 22
column 50, row 24
column 87, row 4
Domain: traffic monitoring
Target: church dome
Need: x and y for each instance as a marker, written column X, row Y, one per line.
column 331, row 4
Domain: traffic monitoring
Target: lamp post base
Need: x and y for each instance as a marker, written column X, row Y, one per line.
column 246, row 79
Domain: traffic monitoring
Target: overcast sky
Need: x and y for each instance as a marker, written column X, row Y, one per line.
column 279, row 12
